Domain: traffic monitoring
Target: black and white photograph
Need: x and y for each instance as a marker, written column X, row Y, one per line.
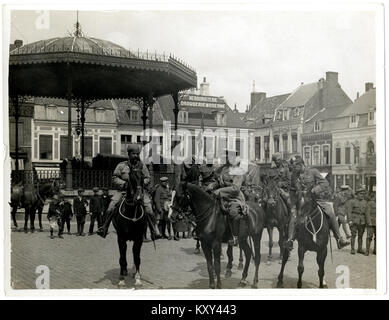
column 221, row 147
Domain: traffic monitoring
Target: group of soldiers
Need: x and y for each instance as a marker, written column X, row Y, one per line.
column 353, row 212
column 60, row 211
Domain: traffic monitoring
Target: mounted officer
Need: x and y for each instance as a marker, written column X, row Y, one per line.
column 282, row 176
column 227, row 187
column 120, row 179
column 357, row 212
column 310, row 179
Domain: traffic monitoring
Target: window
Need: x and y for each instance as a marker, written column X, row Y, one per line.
column 63, row 147
column 88, row 146
column 258, row 148
column 237, row 146
column 337, row 155
column 125, row 140
column 182, row 116
column 266, row 147
column 51, row 111
column 307, row 155
column 347, row 155
column 45, row 147
column 356, row 154
column 316, row 156
column 106, row 145
column 285, row 115
column 221, row 119
column 134, row 115
column 294, row 143
column 353, row 121
column 285, row 143
column 326, row 154
column 138, row 139
column 279, row 115
column 221, row 146
column 371, row 115
column 276, row 144
column 317, row 126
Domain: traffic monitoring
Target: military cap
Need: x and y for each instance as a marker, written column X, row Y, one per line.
column 163, row 179
column 55, row 197
column 95, row 189
column 276, row 156
column 344, row 187
column 360, row 190
column 80, row 190
column 133, row 147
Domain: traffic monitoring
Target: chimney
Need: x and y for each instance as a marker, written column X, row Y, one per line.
column 204, row 87
column 357, row 96
column 332, row 77
column 368, row 86
column 256, row 97
column 16, row 44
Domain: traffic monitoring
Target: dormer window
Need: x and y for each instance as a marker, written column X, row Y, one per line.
column 353, row 121
column 285, row 115
column 317, row 126
column 221, row 119
column 51, row 112
column 183, row 116
column 371, row 117
column 100, row 114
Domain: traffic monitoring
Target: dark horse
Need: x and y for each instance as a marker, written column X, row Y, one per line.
column 129, row 221
column 213, row 229
column 31, row 199
column 312, row 235
column 276, row 216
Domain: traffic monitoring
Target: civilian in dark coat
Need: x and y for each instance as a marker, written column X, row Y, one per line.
column 79, row 206
column 96, row 209
column 55, row 217
column 67, row 212
column 106, row 199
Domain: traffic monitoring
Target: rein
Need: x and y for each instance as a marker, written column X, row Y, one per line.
column 135, row 219
column 201, row 217
column 310, row 218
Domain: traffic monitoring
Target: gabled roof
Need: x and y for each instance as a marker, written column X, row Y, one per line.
column 300, row 96
column 361, row 105
column 123, row 117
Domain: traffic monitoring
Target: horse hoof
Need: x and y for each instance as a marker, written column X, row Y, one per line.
column 124, row 273
column 219, row 286
column 228, row 273
column 121, row 283
column 243, row 283
column 212, row 286
column 254, row 285
column 197, row 251
column 299, row 285
column 138, row 283
column 240, row 266
column 280, row 284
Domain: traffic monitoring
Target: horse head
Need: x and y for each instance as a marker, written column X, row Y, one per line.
column 181, row 199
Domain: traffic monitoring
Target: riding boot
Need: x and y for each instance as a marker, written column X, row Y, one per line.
column 291, row 231
column 368, row 242
column 360, row 250
column 341, row 242
column 352, row 245
column 103, row 230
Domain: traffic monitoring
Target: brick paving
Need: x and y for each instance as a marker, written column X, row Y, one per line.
column 93, row 262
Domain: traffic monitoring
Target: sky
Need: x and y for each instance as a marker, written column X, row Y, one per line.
column 277, row 49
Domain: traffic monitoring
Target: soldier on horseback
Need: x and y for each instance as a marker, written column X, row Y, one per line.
column 120, row 179
column 311, row 180
column 227, row 187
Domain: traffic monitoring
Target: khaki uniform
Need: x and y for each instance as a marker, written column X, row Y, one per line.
column 342, row 200
column 371, row 224
column 358, row 217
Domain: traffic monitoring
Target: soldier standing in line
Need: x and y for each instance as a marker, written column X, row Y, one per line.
column 161, row 197
column 341, row 202
column 79, row 206
column 95, row 209
column 55, row 217
column 371, row 223
column 357, row 212
column 67, row 212
column 106, row 199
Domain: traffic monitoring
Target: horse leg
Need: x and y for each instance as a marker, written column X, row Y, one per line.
column 32, row 218
column 136, row 248
column 281, row 244
column 270, row 232
column 217, row 250
column 247, row 253
column 40, row 209
column 257, row 258
column 230, row 259
column 122, row 260
column 285, row 257
column 13, row 215
column 197, row 250
column 320, row 259
column 208, row 256
column 240, row 265
column 26, row 215
column 300, row 268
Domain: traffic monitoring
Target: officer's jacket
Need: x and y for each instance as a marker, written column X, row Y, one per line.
column 207, row 175
column 122, row 171
column 230, row 176
column 66, row 208
column 341, row 202
column 357, row 211
column 282, row 176
column 312, row 180
column 371, row 213
column 54, row 210
column 162, row 194
column 96, row 204
column 79, row 206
